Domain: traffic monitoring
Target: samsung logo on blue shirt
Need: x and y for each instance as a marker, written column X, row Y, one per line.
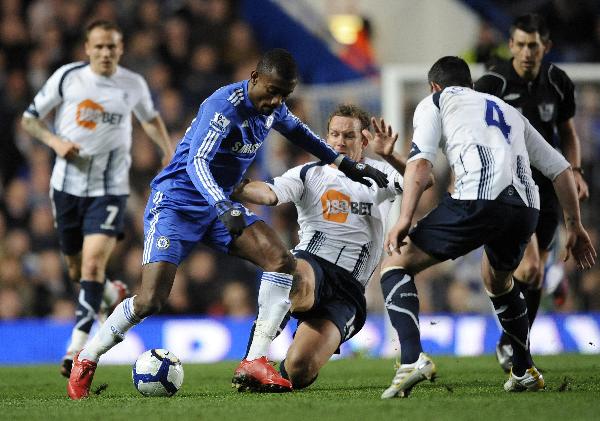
column 248, row 148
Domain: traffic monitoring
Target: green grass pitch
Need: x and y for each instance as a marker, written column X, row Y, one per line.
column 466, row 389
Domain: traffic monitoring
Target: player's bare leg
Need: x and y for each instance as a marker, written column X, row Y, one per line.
column 73, row 263
column 511, row 310
column 302, row 295
column 92, row 260
column 261, row 245
column 314, row 343
column 157, row 281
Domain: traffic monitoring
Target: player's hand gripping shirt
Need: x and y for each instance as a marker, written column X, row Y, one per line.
column 340, row 220
column 488, row 143
column 222, row 142
column 94, row 112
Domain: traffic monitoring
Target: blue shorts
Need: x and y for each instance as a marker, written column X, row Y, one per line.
column 455, row 227
column 338, row 297
column 76, row 217
column 173, row 229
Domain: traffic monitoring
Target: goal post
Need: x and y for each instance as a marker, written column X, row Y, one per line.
column 396, row 80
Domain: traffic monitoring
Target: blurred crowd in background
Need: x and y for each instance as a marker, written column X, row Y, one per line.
column 186, row 50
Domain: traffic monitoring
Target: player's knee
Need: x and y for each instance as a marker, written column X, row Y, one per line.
column 281, row 261
column 74, row 272
column 92, row 269
column 301, row 295
column 302, row 371
column 146, row 306
column 530, row 273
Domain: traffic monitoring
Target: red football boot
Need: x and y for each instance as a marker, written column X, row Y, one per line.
column 259, row 376
column 81, row 377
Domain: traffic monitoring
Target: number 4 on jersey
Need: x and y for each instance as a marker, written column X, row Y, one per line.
column 495, row 117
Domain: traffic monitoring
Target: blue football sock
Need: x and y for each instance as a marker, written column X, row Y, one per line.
column 402, row 304
column 88, row 304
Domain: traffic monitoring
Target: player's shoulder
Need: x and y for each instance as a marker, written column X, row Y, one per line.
column 495, row 79
column 437, row 99
column 226, row 100
column 232, row 93
column 310, row 169
column 425, row 103
column 129, row 75
column 555, row 74
column 499, row 69
column 61, row 77
column 65, row 69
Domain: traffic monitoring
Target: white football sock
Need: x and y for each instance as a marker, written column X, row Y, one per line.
column 112, row 331
column 78, row 340
column 273, row 305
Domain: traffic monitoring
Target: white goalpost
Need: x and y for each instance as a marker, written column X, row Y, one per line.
column 396, row 81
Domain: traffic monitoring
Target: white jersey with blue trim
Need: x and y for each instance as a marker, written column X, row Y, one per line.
column 222, row 142
column 488, row 143
column 340, row 220
column 93, row 111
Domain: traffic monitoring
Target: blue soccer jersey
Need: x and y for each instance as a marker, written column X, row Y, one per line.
column 222, row 142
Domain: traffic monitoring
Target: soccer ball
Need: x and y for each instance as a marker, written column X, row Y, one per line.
column 157, row 372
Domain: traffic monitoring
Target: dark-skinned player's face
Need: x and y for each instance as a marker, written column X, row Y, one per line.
column 268, row 91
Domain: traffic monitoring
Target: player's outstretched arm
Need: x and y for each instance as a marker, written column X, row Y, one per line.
column 256, row 192
column 415, row 181
column 578, row 242
column 36, row 128
column 157, row 131
column 359, row 172
column 571, row 148
column 299, row 133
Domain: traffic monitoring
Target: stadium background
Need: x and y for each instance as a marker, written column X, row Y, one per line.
column 187, row 49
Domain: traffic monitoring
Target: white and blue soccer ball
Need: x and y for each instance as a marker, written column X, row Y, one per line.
column 157, row 372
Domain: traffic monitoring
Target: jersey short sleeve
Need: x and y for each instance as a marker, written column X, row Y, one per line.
column 144, row 110
column 289, row 187
column 50, row 95
column 427, row 131
column 566, row 89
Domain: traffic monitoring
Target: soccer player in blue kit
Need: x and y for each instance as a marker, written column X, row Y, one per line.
column 190, row 203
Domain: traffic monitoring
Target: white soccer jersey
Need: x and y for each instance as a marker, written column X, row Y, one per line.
column 340, row 220
column 93, row 111
column 488, row 143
